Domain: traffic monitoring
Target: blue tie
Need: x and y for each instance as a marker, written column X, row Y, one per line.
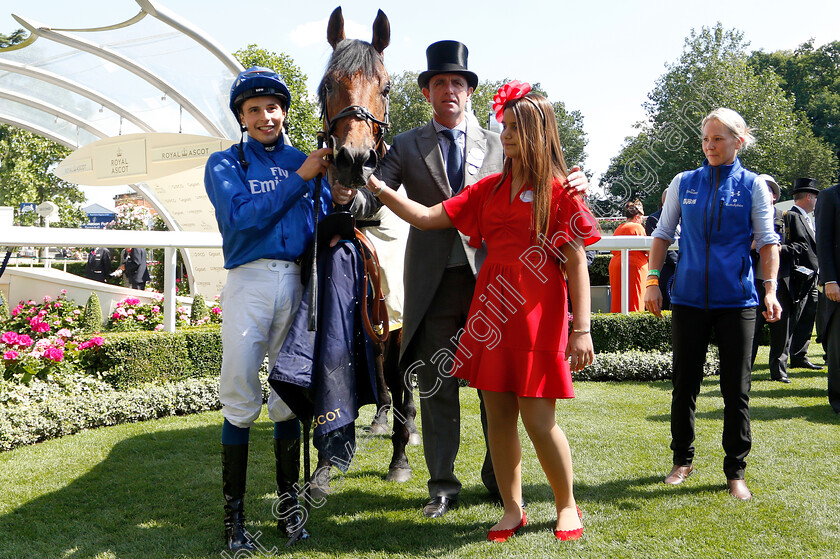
column 454, row 162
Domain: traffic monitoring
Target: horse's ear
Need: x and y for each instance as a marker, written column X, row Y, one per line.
column 381, row 32
column 335, row 28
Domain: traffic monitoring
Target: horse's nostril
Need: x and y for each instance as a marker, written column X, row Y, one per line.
column 372, row 160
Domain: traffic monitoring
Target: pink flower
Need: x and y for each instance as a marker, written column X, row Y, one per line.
column 64, row 292
column 216, row 310
column 141, row 317
column 16, row 310
column 64, row 333
column 9, row 338
column 155, row 308
column 132, row 301
column 77, row 312
column 97, row 341
column 40, row 327
column 47, row 298
column 24, row 340
column 57, row 304
column 159, row 327
column 10, row 355
column 54, row 354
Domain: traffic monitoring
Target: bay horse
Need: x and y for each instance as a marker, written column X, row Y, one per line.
column 353, row 97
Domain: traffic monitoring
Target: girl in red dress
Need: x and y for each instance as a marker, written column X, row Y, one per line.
column 517, row 348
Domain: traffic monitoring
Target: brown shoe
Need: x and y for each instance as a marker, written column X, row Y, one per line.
column 679, row 474
column 738, row 489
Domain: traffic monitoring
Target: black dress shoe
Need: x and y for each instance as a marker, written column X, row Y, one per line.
column 805, row 364
column 783, row 379
column 439, row 506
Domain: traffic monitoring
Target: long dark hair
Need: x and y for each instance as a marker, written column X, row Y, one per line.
column 541, row 155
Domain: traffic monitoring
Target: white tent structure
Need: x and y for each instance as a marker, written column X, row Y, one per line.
column 146, row 88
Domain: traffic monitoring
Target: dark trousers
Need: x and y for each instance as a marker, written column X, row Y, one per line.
column 805, row 315
column 692, row 331
column 779, row 331
column 831, row 343
column 440, row 408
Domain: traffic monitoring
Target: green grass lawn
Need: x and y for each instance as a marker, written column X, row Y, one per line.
column 153, row 489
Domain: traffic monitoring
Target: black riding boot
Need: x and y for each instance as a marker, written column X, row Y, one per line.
column 234, row 468
column 288, row 512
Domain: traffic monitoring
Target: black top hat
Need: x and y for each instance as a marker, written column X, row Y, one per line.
column 805, row 185
column 447, row 57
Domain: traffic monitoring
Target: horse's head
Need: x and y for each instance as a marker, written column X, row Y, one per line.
column 354, row 101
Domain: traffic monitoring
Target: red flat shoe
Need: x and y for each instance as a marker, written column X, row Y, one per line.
column 501, row 536
column 569, row 535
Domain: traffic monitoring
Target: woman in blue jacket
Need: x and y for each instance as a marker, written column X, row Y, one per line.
column 721, row 207
column 263, row 193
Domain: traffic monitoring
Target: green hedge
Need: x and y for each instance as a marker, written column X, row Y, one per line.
column 638, row 366
column 599, row 271
column 128, row 359
column 47, row 410
column 637, row 331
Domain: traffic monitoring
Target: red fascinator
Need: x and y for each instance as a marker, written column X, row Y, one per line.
column 509, row 92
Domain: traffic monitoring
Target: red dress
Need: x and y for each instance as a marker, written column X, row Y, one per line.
column 516, row 333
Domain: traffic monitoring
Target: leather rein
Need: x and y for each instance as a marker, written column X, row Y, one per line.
column 375, row 314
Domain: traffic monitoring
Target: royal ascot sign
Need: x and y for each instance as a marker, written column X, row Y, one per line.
column 135, row 158
column 171, row 166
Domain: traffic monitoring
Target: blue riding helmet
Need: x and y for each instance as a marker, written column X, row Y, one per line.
column 257, row 81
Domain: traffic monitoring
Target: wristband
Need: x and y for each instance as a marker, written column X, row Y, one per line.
column 653, row 273
column 652, row 281
column 581, row 331
column 774, row 282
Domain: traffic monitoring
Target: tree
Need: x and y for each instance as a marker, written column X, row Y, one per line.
column 17, row 36
column 26, row 163
column 812, row 77
column 302, row 123
column 712, row 72
column 407, row 106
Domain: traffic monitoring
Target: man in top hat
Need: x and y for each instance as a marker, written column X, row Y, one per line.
column 802, row 244
column 828, row 253
column 434, row 162
column 780, row 329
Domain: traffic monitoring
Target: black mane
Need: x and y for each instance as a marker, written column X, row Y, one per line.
column 351, row 56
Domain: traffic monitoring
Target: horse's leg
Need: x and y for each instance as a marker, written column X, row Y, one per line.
column 379, row 425
column 399, row 470
column 320, row 483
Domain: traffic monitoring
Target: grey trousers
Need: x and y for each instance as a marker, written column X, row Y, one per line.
column 440, row 408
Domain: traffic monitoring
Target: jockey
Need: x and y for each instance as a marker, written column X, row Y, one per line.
column 263, row 193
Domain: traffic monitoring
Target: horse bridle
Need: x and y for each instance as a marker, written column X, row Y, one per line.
column 360, row 112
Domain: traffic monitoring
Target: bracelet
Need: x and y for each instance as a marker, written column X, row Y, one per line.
column 774, row 282
column 376, row 192
column 653, row 273
column 581, row 331
column 652, row 281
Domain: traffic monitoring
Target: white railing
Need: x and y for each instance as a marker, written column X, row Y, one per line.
column 171, row 240
column 12, row 236
column 625, row 243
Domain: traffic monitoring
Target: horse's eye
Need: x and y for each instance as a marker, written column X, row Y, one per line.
column 387, row 89
column 328, row 86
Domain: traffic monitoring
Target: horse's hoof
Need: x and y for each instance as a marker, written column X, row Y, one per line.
column 379, row 429
column 399, row 475
column 318, row 492
column 414, row 439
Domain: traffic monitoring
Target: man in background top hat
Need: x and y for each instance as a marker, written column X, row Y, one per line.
column 434, row 162
column 802, row 244
column 779, row 330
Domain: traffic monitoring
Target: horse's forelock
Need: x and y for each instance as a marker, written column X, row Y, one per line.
column 350, row 57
